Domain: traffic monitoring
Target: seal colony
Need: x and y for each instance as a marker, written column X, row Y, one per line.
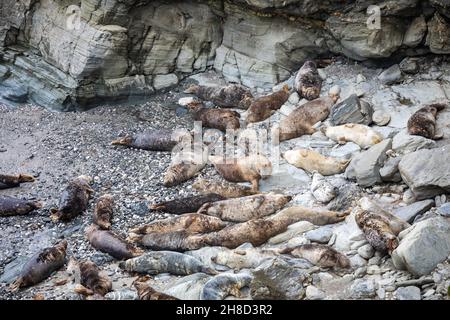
column 233, row 218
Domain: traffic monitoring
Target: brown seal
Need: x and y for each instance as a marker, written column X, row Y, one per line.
column 423, row 122
column 301, row 121
column 223, row 188
column 246, row 169
column 74, row 199
column 230, row 96
column 320, row 255
column 91, row 281
column 10, row 206
column 187, row 204
column 12, row 181
column 110, row 243
column 41, row 265
column 103, row 211
column 308, row 82
column 192, row 223
column 262, row 108
column 145, row 292
column 220, row 119
column 153, row 140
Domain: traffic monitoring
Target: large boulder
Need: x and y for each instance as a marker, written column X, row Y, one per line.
column 351, row 110
column 438, row 36
column 427, row 172
column 404, row 143
column 426, row 244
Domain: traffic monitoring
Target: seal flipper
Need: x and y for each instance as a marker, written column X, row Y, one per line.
column 16, row 285
column 26, row 178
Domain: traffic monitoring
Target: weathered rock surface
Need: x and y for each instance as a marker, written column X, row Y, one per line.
column 351, row 110
column 426, row 244
column 408, row 213
column 404, row 143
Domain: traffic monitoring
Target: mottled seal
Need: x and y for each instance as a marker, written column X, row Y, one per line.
column 220, row 119
column 192, row 222
column 320, row 255
column 153, row 140
column 223, row 188
column 180, row 240
column 308, row 82
column 145, row 292
column 423, row 122
column 316, row 217
column 12, row 181
column 186, row 204
column 362, row 135
column 41, row 265
column 263, row 107
column 74, row 199
column 103, row 211
column 110, row 243
column 238, row 259
column 301, row 121
column 223, row 285
column 165, row 262
column 246, row 208
column 312, row 161
column 230, row 96
column 246, row 169
column 92, row 282
column 10, row 206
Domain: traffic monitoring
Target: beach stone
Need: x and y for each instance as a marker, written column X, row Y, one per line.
column 408, row 213
column 408, row 293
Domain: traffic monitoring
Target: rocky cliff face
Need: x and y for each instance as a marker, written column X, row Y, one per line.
column 68, row 53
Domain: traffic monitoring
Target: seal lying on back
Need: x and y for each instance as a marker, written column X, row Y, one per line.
column 320, row 255
column 165, row 262
column 362, row 135
column 220, row 119
column 186, row 205
column 246, row 169
column 153, row 140
column 110, row 243
column 192, row 222
column 103, row 211
column 262, row 108
column 246, row 208
column 92, row 283
column 312, row 161
column 74, row 199
column 423, row 122
column 145, row 292
column 223, row 285
column 301, row 121
column 12, row 181
column 223, row 188
column 41, row 265
column 230, row 96
column 10, row 206
column 308, row 82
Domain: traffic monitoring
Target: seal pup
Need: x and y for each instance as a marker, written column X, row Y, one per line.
column 165, row 262
column 180, row 240
column 153, row 140
column 423, row 122
column 110, row 243
column 220, row 119
column 377, row 231
column 246, row 208
column 225, row 284
column 317, row 217
column 103, row 212
column 301, row 121
column 91, row 281
column 74, row 199
column 185, row 165
column 321, row 189
column 312, row 161
column 192, row 222
column 230, row 96
column 223, row 188
column 247, row 258
column 187, row 204
column 262, row 108
column 41, row 265
column 12, row 181
column 362, row 135
column 10, row 206
column 308, row 82
column 246, row 169
column 320, row 255
column 145, row 292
